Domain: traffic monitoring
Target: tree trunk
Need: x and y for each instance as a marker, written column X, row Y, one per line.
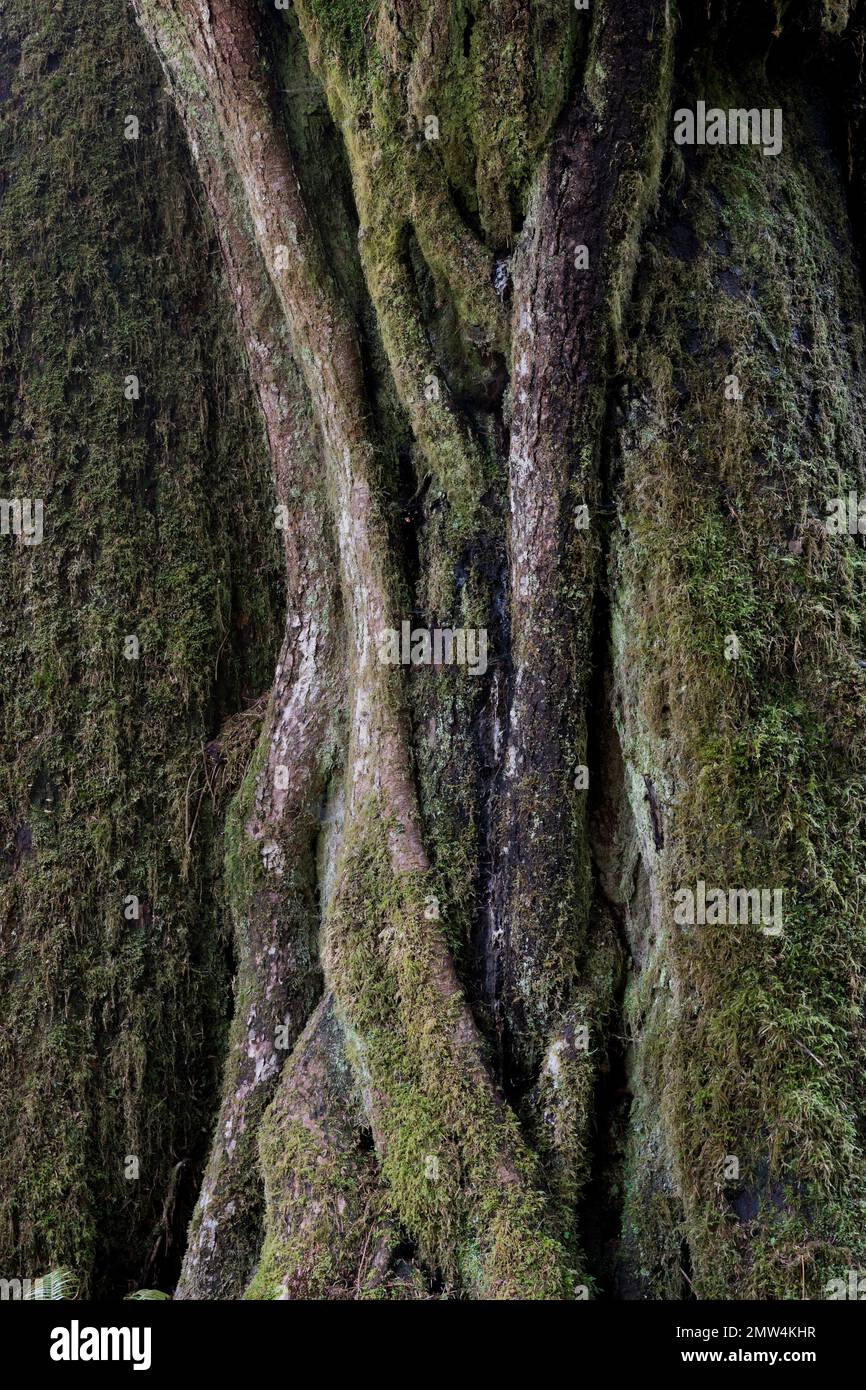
column 544, row 871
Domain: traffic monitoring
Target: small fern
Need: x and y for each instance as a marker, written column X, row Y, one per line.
column 56, row 1284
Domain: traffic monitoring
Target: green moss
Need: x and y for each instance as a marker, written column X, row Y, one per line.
column 443, row 1138
column 344, row 26
column 746, row 1045
column 492, row 81
column 326, row 1212
column 561, row 1110
column 157, row 523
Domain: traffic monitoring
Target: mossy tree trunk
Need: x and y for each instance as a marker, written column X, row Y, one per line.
column 527, row 367
column 125, row 407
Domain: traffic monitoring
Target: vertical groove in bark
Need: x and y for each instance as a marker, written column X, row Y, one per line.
column 271, row 884
column 543, row 917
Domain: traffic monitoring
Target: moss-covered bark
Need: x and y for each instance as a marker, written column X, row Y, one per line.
column 745, row 1045
column 117, row 772
column 524, row 365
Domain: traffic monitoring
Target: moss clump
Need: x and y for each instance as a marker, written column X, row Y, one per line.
column 459, row 1176
column 327, row 1216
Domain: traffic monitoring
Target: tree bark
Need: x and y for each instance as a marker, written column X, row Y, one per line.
column 526, row 366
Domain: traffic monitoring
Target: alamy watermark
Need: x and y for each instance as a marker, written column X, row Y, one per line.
column 77, row 1343
column 853, row 1286
column 59, row 1284
column 846, row 516
column 710, row 907
column 438, row 646
column 733, row 127
column 22, row 516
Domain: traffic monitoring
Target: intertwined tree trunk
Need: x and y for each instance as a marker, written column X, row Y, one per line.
column 528, row 367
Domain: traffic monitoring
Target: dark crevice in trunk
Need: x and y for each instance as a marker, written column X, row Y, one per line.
column 601, row 1215
column 488, row 736
column 409, row 515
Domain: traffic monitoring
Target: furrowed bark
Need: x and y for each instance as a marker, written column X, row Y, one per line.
column 572, row 275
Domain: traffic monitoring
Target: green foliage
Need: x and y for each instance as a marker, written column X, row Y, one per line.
column 55, row 1285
